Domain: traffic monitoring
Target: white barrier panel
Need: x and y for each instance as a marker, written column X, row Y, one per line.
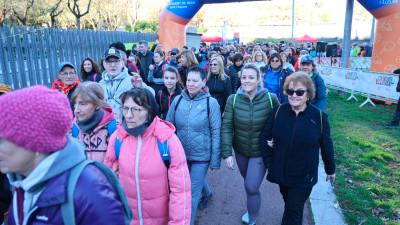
column 375, row 84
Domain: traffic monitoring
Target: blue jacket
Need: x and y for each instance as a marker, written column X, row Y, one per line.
column 46, row 190
column 200, row 141
column 282, row 74
column 321, row 99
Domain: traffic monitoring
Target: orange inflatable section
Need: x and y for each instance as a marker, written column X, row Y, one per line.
column 386, row 53
column 172, row 32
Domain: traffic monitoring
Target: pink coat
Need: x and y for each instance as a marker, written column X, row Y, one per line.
column 145, row 178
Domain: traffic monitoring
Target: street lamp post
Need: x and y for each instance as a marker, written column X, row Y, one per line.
column 347, row 33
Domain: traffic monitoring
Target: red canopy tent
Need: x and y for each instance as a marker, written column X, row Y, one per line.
column 211, row 39
column 306, row 38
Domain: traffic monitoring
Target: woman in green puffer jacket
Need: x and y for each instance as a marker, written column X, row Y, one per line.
column 246, row 112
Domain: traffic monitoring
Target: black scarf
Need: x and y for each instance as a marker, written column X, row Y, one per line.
column 139, row 130
column 87, row 126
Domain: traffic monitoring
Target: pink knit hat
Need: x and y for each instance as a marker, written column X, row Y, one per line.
column 35, row 118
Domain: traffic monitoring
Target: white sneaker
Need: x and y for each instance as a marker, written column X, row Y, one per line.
column 245, row 218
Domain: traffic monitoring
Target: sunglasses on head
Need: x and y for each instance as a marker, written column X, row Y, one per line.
column 299, row 92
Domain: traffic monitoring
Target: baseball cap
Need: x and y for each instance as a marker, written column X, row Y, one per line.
column 64, row 64
column 306, row 59
column 112, row 52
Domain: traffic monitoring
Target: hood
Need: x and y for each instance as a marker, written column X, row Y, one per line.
column 120, row 76
column 53, row 165
column 200, row 96
column 159, row 128
column 260, row 90
column 107, row 117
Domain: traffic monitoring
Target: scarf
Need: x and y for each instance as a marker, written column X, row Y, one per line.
column 136, row 131
column 87, row 126
column 58, row 85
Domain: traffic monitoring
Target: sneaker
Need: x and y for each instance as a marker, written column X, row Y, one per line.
column 245, row 218
column 203, row 204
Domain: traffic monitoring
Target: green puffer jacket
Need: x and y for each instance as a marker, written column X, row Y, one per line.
column 242, row 125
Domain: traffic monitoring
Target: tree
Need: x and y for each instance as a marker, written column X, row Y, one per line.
column 76, row 11
column 55, row 11
column 146, row 26
column 23, row 17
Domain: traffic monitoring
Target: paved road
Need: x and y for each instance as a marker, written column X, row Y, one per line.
column 228, row 203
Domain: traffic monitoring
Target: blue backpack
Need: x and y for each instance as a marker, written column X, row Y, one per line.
column 163, row 148
column 68, row 208
column 111, row 127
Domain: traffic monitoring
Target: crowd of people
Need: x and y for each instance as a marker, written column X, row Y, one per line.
column 144, row 127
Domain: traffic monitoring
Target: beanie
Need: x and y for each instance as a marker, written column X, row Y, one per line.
column 36, row 118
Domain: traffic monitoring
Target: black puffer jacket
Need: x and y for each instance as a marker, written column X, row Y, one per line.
column 220, row 89
column 234, row 75
column 164, row 99
column 5, row 196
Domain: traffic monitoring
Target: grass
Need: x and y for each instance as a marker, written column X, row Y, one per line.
column 368, row 161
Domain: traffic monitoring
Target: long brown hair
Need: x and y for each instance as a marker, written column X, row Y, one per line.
column 95, row 68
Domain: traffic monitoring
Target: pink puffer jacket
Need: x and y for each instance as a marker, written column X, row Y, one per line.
column 157, row 196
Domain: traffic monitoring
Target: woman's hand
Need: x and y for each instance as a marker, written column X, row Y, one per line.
column 331, row 178
column 136, row 80
column 229, row 162
column 151, row 67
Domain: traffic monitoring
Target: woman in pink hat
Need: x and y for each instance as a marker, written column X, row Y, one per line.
column 40, row 160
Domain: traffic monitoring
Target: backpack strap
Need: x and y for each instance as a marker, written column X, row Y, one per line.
column 68, row 208
column 176, row 106
column 270, row 100
column 164, row 152
column 277, row 110
column 209, row 120
column 117, row 147
column 111, row 127
column 163, row 148
column 75, row 130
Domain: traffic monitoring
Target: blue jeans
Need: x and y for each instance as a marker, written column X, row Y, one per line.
column 198, row 172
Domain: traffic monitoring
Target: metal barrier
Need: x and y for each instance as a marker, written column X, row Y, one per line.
column 30, row 56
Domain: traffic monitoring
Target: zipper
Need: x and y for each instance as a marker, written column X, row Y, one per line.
column 26, row 218
column 139, row 202
column 187, row 122
column 251, row 121
column 290, row 149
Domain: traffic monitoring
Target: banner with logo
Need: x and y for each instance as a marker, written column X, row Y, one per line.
column 381, row 85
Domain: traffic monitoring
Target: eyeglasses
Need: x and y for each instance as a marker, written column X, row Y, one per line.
column 71, row 74
column 214, row 64
column 133, row 110
column 299, row 92
column 112, row 62
column 275, row 61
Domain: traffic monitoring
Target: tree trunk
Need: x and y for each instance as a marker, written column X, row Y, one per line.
column 78, row 23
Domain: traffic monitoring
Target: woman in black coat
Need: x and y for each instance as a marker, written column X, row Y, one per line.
column 292, row 140
column 218, row 83
column 5, row 196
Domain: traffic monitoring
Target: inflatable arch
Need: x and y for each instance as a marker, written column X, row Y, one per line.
column 386, row 57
